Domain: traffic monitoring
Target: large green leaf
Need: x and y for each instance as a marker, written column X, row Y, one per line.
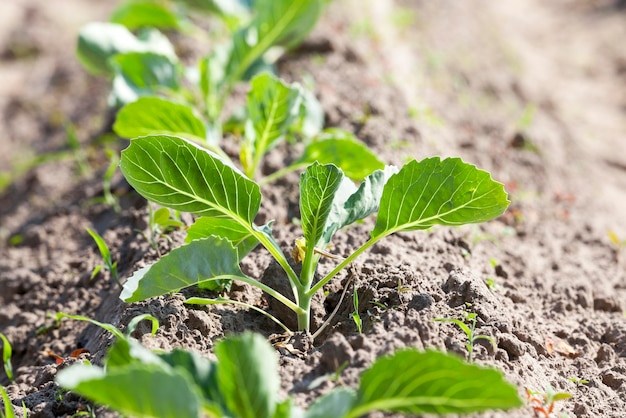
column 143, row 74
column 201, row 370
column 209, row 259
column 145, row 13
column 434, row 191
column 99, row 42
column 153, row 115
column 175, row 173
column 247, row 375
column 339, row 147
column 319, row 185
column 272, row 108
column 431, row 382
column 140, row 390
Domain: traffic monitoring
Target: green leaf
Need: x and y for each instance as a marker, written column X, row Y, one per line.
column 139, row 14
column 142, row 390
column 434, row 191
column 102, row 246
column 336, row 403
column 247, row 375
column 277, row 23
column 338, row 147
column 352, row 204
column 7, row 352
column 99, row 42
column 319, row 185
column 142, row 74
column 175, row 173
column 240, row 237
column 311, row 115
column 153, row 115
column 431, row 382
column 127, row 351
column 203, row 260
column 8, row 406
column 201, row 370
column 272, row 108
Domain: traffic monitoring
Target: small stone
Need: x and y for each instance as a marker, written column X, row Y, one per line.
column 514, row 347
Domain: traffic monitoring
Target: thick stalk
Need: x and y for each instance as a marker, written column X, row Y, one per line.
column 304, row 317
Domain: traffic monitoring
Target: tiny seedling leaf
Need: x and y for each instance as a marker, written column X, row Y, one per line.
column 338, row 147
column 431, row 382
column 8, row 406
column 99, row 42
column 153, row 115
column 247, row 375
column 202, row 260
column 7, row 352
column 102, row 246
column 175, row 173
column 158, row 391
column 434, row 191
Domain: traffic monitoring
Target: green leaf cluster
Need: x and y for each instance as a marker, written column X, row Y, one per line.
column 158, row 95
column 244, row 382
column 178, row 174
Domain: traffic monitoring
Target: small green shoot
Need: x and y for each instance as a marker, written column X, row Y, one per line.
column 8, row 412
column 109, row 198
column 109, row 264
column 355, row 314
column 7, row 352
column 469, row 330
column 160, row 222
column 543, row 403
column 578, row 381
column 491, row 283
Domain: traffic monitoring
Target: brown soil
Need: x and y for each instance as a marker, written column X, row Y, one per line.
column 410, row 79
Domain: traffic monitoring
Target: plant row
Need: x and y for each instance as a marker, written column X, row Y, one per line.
column 175, row 117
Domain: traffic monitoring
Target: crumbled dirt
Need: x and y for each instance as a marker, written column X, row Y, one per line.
column 411, row 79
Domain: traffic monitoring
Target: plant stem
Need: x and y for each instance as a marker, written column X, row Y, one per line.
column 304, row 317
column 280, row 173
column 346, row 261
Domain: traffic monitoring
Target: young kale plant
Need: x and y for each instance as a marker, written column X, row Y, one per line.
column 244, row 382
column 176, row 173
column 162, row 97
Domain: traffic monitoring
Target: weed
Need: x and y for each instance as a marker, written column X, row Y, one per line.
column 355, row 314
column 109, row 264
column 468, row 326
column 578, row 381
column 7, row 352
column 160, row 223
column 543, row 403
